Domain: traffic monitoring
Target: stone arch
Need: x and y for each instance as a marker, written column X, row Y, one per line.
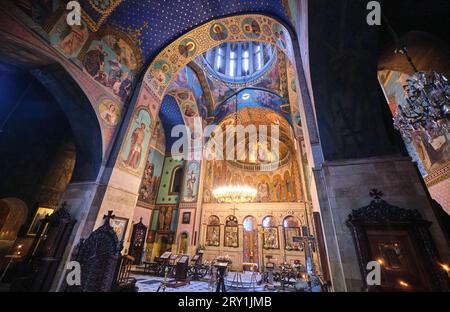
column 66, row 90
column 166, row 65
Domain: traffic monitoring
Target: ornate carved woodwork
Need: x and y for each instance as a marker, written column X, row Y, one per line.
column 46, row 252
column 380, row 219
column 137, row 243
column 99, row 257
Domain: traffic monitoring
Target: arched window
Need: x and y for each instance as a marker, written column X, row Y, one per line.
column 292, row 233
column 270, row 233
column 239, row 62
column 213, row 231
column 176, row 181
column 231, row 238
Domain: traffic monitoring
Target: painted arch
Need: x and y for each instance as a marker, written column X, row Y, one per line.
column 165, row 67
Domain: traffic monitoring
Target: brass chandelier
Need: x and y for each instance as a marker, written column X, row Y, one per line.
column 234, row 194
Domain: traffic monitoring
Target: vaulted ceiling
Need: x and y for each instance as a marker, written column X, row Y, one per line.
column 162, row 21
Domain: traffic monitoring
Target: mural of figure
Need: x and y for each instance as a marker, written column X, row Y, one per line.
column 263, row 192
column 207, row 196
column 168, row 219
column 161, row 218
column 218, row 32
column 125, row 86
column 134, row 154
column 188, row 111
column 190, row 184
column 73, row 38
column 277, row 189
column 94, row 62
column 110, row 114
column 115, row 72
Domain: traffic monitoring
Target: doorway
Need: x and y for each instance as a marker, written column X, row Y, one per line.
column 250, row 246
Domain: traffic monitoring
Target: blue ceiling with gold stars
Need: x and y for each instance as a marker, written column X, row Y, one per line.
column 163, row 21
column 170, row 116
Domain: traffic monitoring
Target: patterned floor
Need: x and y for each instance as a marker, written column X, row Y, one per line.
column 146, row 283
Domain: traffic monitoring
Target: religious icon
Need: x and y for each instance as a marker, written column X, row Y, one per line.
column 41, row 213
column 162, row 71
column 137, row 141
column 109, row 112
column 277, row 188
column 270, row 236
column 187, row 47
column 191, row 184
column 188, row 110
column 231, row 232
column 168, row 219
column 251, row 27
column 72, row 38
column 280, row 35
column 218, row 32
column 119, row 226
column 186, row 218
column 392, row 255
column 263, row 194
column 161, row 218
column 213, row 235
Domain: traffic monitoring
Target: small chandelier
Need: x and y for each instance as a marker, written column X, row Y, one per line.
column 234, row 194
column 427, row 107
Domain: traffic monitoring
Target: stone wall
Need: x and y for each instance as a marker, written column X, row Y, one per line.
column 347, row 184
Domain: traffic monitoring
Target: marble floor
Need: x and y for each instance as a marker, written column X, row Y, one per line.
column 146, row 283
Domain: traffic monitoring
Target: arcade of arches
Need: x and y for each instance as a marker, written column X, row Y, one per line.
column 89, row 142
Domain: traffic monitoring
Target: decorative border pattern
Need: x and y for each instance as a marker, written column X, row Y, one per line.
column 241, row 28
column 95, row 25
column 438, row 176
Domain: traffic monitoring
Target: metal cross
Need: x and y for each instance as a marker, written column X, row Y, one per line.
column 109, row 216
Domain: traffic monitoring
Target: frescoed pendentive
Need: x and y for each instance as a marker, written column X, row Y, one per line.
column 113, row 62
column 136, row 144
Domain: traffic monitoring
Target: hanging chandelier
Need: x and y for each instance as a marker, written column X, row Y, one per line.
column 427, row 107
column 234, row 194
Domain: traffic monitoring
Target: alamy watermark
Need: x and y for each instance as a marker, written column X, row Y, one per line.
column 374, row 16
column 74, row 15
column 73, row 277
column 373, row 277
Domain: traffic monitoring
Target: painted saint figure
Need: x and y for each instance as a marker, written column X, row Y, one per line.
column 190, row 184
column 134, row 155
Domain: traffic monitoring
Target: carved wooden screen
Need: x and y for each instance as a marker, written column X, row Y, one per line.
column 400, row 241
column 99, row 257
column 137, row 243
